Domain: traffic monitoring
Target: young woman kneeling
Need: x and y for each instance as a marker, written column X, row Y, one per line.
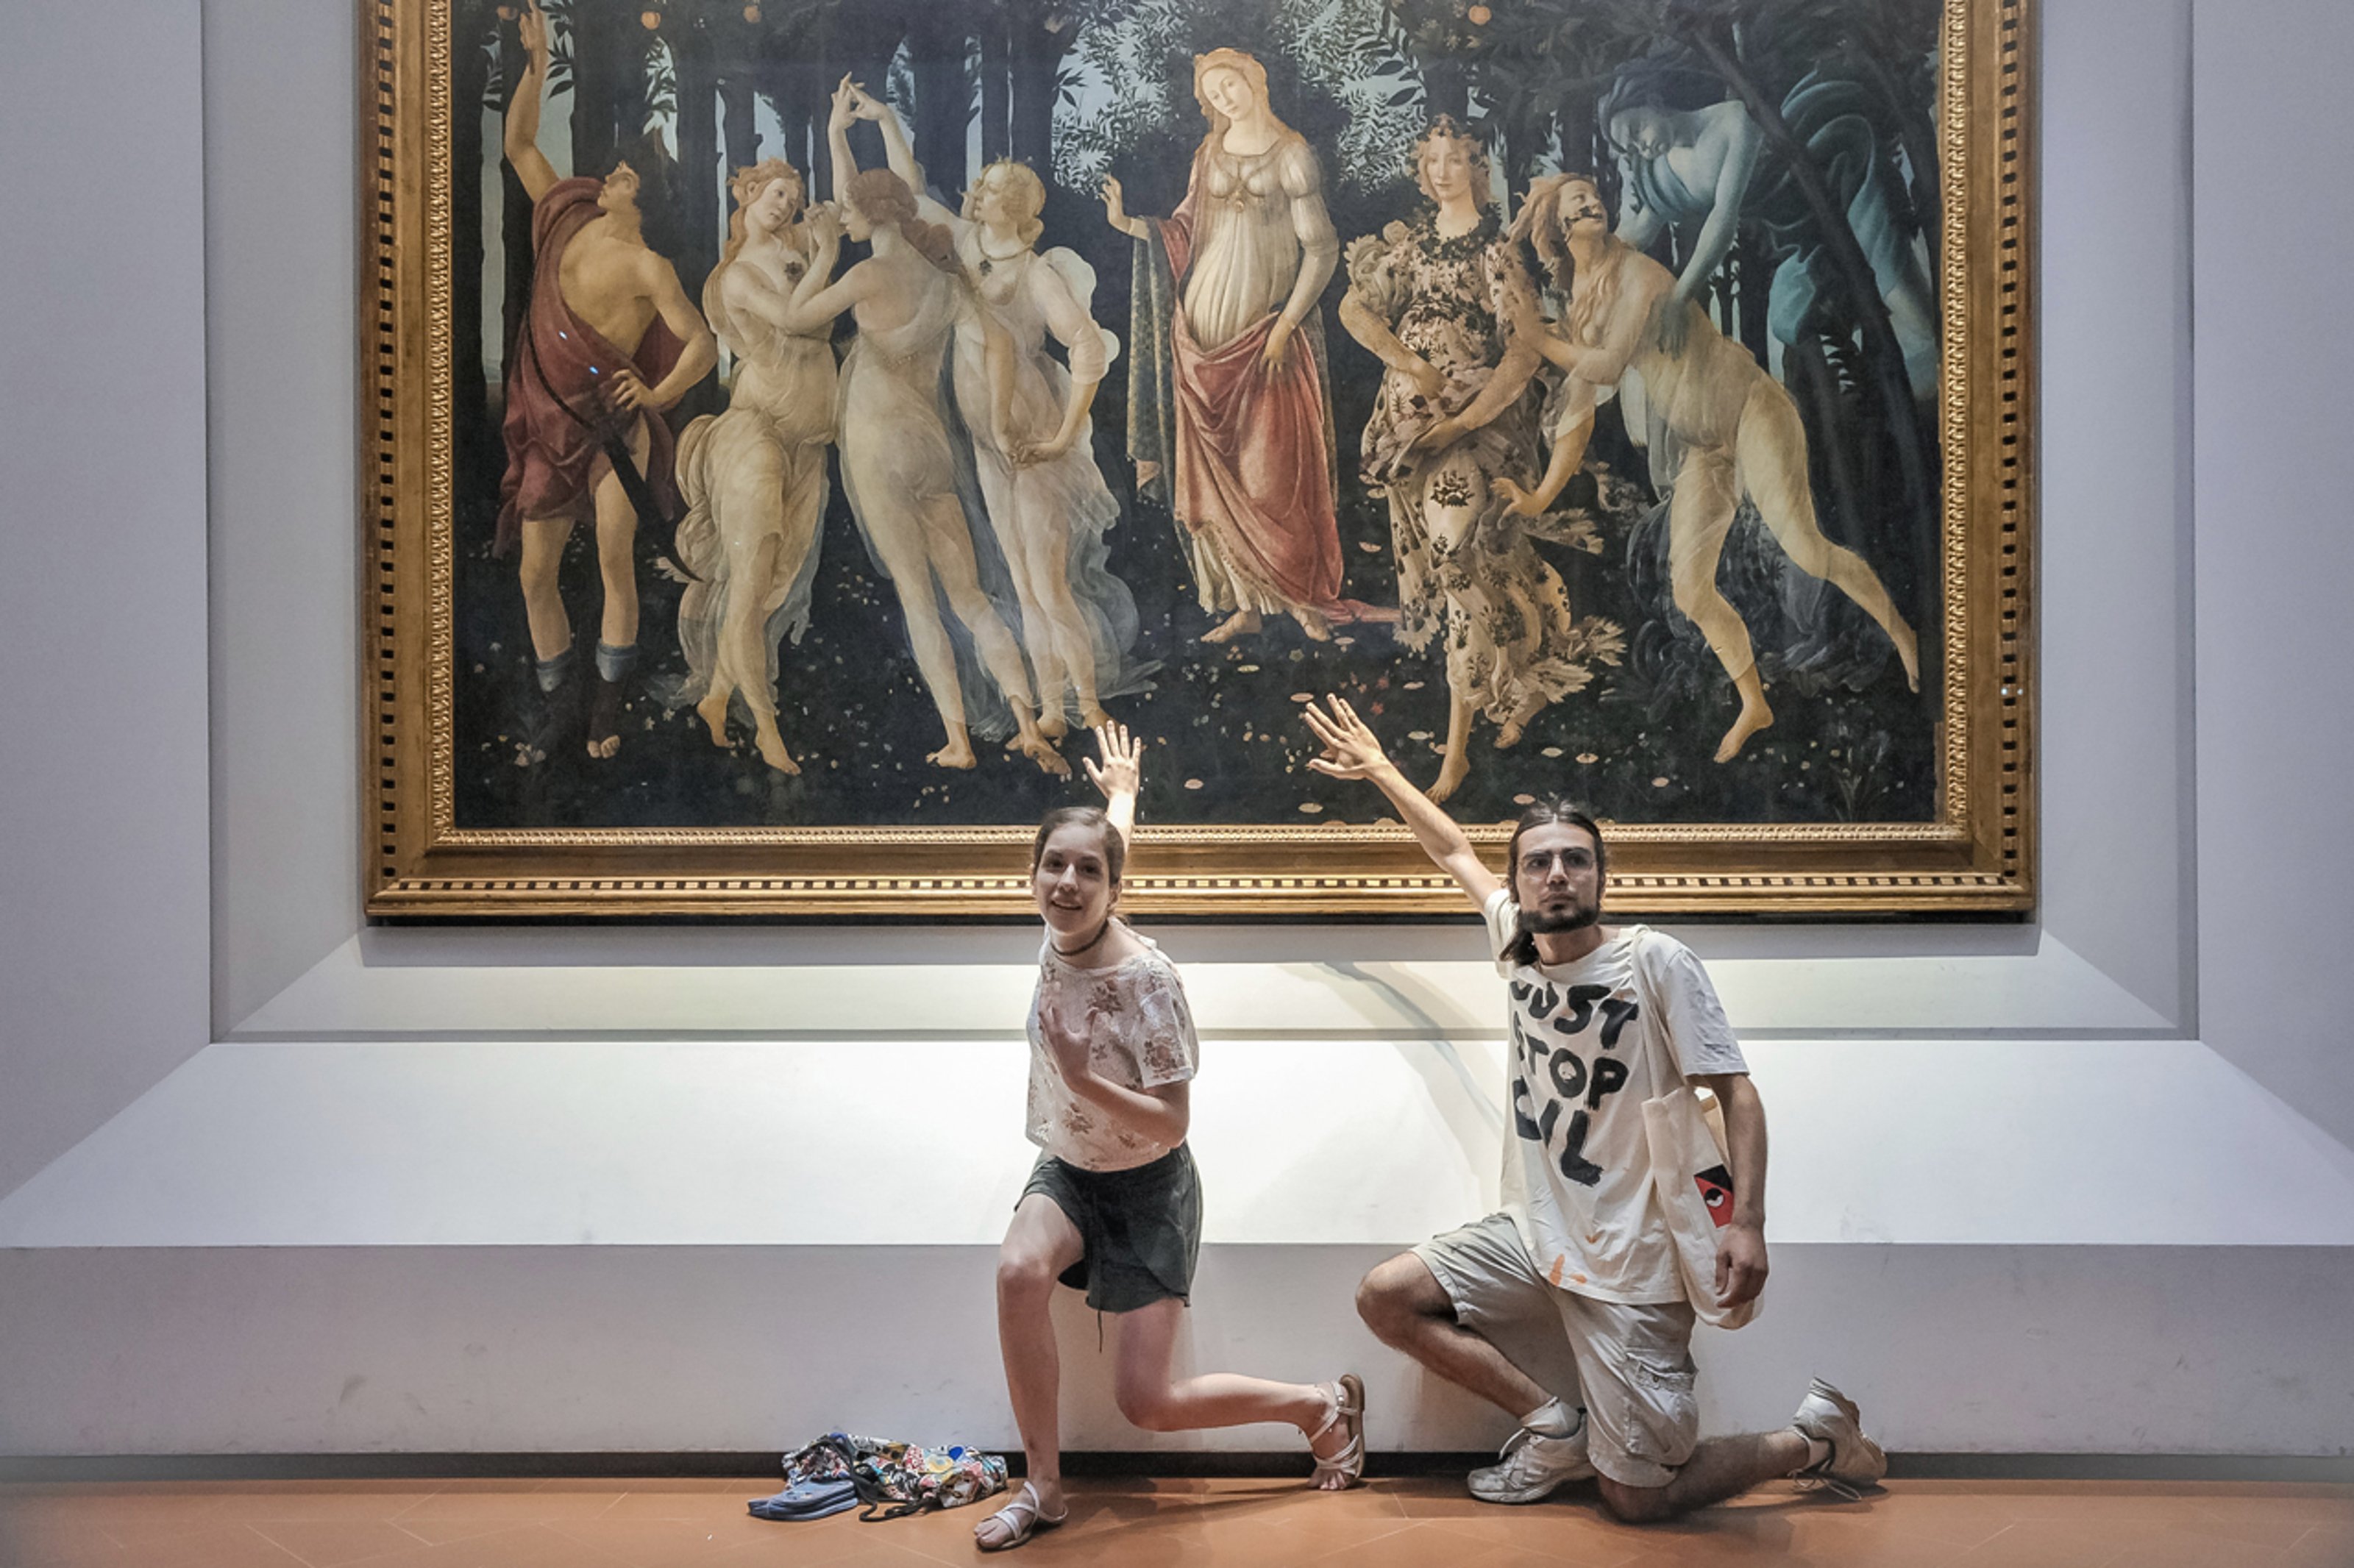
column 1114, row 1207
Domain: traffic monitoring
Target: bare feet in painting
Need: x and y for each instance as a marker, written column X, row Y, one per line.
column 605, row 720
column 956, row 753
column 1518, row 724
column 1091, row 714
column 712, row 711
column 771, row 745
column 1052, row 724
column 1754, row 716
column 1451, row 774
column 1241, row 623
column 1313, row 623
column 1034, row 746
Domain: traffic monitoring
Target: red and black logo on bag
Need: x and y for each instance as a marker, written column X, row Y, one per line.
column 1715, row 1185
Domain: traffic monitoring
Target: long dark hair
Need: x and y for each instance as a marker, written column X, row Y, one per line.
column 1550, row 810
column 1115, row 848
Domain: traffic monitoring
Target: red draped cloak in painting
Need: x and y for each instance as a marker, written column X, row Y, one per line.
column 557, row 416
column 1254, row 460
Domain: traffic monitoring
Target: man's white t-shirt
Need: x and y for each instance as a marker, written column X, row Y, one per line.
column 1591, row 1041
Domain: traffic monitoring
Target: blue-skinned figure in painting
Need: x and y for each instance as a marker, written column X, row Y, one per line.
column 1718, row 427
column 1698, row 171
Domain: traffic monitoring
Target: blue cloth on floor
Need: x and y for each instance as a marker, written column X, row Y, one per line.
column 807, row 1500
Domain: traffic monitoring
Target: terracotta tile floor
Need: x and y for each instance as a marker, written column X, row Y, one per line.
column 1421, row 1522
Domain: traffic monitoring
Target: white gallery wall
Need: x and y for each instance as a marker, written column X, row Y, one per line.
column 2076, row 1185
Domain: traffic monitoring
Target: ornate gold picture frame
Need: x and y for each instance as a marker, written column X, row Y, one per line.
column 1861, row 799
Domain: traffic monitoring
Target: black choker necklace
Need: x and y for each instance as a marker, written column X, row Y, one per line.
column 1063, row 952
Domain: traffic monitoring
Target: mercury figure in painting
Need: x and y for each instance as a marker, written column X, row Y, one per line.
column 897, row 465
column 1252, row 247
column 1453, row 414
column 611, row 341
column 1730, row 430
column 1047, row 501
column 754, row 477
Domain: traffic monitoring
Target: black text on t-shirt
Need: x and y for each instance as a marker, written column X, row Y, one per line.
column 1541, row 1007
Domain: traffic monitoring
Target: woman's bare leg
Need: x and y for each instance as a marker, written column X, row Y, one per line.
column 1700, row 515
column 1456, row 765
column 1454, row 559
column 1771, row 462
column 949, row 545
column 899, row 541
column 1039, row 1245
column 1048, row 557
column 743, row 664
column 1149, row 1396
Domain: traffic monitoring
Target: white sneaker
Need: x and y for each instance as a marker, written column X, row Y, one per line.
column 1830, row 1416
column 1537, row 1462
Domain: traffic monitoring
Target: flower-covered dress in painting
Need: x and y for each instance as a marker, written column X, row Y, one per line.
column 1464, row 561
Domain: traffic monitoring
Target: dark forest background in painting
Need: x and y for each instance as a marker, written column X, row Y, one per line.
column 1841, row 95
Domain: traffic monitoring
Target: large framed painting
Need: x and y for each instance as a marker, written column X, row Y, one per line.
column 792, row 424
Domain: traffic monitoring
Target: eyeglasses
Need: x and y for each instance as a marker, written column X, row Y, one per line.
column 1539, row 862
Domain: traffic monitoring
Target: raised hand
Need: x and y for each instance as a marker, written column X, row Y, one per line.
column 532, row 28
column 845, row 105
column 1117, row 210
column 1351, row 750
column 1122, row 769
column 863, row 103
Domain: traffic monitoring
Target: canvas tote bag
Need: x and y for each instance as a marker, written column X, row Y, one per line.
column 1690, row 1172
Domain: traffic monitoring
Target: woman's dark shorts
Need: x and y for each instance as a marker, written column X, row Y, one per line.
column 1141, row 1228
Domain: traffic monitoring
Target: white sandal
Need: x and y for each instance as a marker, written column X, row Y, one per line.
column 1348, row 1397
column 1022, row 1518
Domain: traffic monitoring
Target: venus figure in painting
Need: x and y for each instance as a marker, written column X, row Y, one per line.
column 1114, row 1205
column 1047, row 499
column 1585, row 1288
column 611, row 341
column 754, row 477
column 897, row 462
column 1452, row 415
column 1729, row 429
column 1252, row 247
